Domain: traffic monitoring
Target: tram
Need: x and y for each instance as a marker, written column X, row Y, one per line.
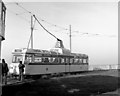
column 55, row 60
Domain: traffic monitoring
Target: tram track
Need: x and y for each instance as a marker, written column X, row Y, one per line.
column 83, row 84
column 15, row 81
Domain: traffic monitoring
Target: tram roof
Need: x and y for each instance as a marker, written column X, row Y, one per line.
column 55, row 51
column 25, row 50
column 78, row 55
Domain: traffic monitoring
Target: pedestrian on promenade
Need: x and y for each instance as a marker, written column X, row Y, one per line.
column 4, row 71
column 21, row 70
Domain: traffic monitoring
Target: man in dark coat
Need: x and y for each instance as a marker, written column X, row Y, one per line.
column 4, row 71
column 21, row 70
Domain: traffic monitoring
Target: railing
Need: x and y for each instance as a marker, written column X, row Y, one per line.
column 104, row 67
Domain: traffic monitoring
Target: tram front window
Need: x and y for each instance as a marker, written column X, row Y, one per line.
column 16, row 58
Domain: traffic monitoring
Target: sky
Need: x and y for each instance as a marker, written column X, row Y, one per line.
column 98, row 19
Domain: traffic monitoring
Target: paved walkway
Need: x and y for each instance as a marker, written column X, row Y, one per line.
column 103, row 73
column 117, row 92
column 16, row 82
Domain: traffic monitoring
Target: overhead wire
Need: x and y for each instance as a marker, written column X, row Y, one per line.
column 41, row 19
column 9, row 3
column 34, row 23
column 18, row 15
column 94, row 34
column 15, row 13
column 22, row 7
column 37, row 20
column 61, row 28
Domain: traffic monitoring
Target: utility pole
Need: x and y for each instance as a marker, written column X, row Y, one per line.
column 70, row 44
column 31, row 32
column 70, row 38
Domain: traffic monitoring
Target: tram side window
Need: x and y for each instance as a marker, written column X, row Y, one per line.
column 62, row 60
column 50, row 59
column 46, row 60
column 80, row 61
column 76, row 60
column 59, row 60
column 84, row 61
column 16, row 58
column 41, row 59
column 87, row 60
column 67, row 61
column 71, row 60
column 37, row 59
column 28, row 58
column 55, row 60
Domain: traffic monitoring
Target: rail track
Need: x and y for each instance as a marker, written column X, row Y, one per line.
column 15, row 81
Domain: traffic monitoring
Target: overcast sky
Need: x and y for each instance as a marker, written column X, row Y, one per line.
column 98, row 19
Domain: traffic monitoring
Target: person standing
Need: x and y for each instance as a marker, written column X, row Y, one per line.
column 21, row 70
column 4, row 71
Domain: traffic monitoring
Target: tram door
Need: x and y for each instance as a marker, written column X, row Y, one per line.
column 67, row 64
